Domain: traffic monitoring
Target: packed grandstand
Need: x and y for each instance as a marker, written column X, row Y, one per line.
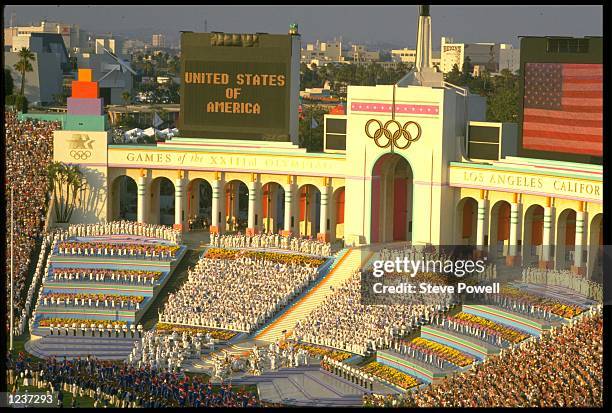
column 179, row 346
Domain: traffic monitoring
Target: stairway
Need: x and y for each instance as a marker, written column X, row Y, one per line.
column 343, row 269
column 306, row 386
column 104, row 348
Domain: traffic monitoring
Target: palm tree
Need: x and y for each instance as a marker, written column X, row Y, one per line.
column 65, row 182
column 24, row 65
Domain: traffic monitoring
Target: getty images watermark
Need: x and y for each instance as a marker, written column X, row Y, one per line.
column 430, row 276
column 427, row 275
column 447, row 274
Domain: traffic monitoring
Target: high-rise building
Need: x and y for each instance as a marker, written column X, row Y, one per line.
column 158, row 40
column 111, row 44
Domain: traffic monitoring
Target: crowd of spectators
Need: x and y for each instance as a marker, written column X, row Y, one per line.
column 341, row 321
column 563, row 368
column 236, row 294
column 29, row 151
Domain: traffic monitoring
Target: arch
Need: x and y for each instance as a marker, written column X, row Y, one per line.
column 499, row 229
column 337, row 214
column 272, row 206
column 533, row 234
column 566, row 239
column 309, row 207
column 236, row 205
column 199, row 204
column 161, row 208
column 392, row 199
column 124, row 198
column 466, row 212
column 595, row 249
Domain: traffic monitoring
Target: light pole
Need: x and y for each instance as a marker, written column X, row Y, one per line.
column 12, row 281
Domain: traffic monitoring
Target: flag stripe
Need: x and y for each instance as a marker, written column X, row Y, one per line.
column 572, row 137
column 564, row 128
column 573, row 150
column 577, row 107
column 582, row 65
column 583, row 79
column 564, row 115
column 583, row 86
column 584, row 73
column 557, row 144
column 582, row 93
column 563, row 121
column 595, row 69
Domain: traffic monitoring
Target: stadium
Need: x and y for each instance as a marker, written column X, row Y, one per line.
column 266, row 303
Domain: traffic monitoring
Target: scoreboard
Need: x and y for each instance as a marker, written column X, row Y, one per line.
column 238, row 86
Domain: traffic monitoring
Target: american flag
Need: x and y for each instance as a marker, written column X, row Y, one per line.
column 563, row 108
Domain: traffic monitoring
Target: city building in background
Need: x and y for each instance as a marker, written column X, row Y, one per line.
column 74, row 38
column 131, row 46
column 322, row 53
column 408, row 56
column 360, row 53
column 112, row 44
column 44, row 83
column 493, row 57
column 112, row 71
column 158, row 41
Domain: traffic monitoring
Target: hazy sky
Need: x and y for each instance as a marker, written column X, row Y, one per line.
column 372, row 24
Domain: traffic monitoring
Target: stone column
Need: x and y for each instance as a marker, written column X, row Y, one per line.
column 323, row 235
column 481, row 225
column 217, row 192
column 514, row 256
column 142, row 199
column 289, row 195
column 254, row 189
column 179, row 203
column 579, row 267
column 547, row 236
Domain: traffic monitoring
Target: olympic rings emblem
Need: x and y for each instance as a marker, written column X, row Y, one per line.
column 393, row 137
column 80, row 155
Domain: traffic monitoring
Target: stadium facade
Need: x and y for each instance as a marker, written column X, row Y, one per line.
column 415, row 161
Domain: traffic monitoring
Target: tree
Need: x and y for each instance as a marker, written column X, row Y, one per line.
column 311, row 138
column 467, row 70
column 126, row 96
column 503, row 101
column 24, row 65
column 385, row 56
column 454, row 76
column 65, row 182
column 8, row 82
column 21, row 103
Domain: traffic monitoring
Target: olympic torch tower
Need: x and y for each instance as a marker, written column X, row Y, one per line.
column 423, row 73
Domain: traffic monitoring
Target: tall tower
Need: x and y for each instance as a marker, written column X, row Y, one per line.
column 423, row 50
column 423, row 73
